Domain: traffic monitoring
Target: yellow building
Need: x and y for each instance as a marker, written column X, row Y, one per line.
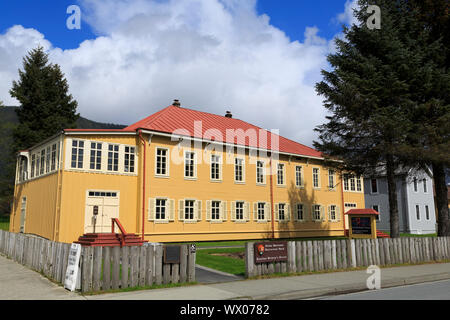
column 180, row 175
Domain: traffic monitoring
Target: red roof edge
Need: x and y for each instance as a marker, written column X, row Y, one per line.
column 98, row 130
column 362, row 211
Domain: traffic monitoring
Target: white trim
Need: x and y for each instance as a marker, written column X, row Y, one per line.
column 167, row 174
column 243, row 170
column 318, row 178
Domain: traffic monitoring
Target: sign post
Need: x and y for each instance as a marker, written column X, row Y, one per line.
column 73, row 267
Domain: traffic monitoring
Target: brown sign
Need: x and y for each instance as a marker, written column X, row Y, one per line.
column 275, row 251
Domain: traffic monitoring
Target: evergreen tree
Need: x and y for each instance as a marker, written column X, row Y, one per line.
column 46, row 107
column 429, row 141
column 368, row 94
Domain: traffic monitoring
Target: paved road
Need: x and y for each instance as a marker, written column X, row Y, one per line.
column 20, row 283
column 439, row 290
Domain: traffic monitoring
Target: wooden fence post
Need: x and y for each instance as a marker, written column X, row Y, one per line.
column 291, row 257
column 191, row 266
column 115, row 268
column 310, row 256
column 86, row 275
column 134, row 266
column 352, row 253
column 298, row 256
column 142, row 265
column 150, row 265
column 107, row 264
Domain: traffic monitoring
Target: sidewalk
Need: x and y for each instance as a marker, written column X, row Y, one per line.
column 298, row 287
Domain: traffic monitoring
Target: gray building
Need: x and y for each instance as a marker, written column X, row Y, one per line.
column 415, row 201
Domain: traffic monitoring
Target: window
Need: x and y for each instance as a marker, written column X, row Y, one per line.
column 96, row 156
column 316, row 212
column 47, row 160
column 358, row 184
column 22, row 169
column 374, row 185
column 160, row 209
column 238, row 170
column 298, row 176
column 261, row 213
column 427, row 212
column 260, row 177
column 113, row 157
column 33, row 163
column 189, row 164
column 240, row 210
column 376, row 208
column 316, row 178
column 102, row 194
column 425, row 189
column 189, row 209
column 332, row 212
column 300, row 212
column 38, row 162
column 352, row 183
column 161, row 162
column 346, row 185
column 349, row 206
column 129, row 159
column 77, row 154
column 415, row 184
column 215, row 210
column 331, row 179
column 53, row 161
column 41, row 171
column 417, row 212
column 215, row 167
column 280, row 174
column 281, row 211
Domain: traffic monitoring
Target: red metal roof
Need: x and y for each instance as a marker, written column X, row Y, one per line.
column 362, row 211
column 198, row 124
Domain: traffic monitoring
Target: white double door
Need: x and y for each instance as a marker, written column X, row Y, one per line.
column 106, row 207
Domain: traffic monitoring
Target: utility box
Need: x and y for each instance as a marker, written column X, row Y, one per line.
column 362, row 223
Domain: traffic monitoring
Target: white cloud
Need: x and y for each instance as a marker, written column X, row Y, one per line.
column 212, row 55
column 348, row 16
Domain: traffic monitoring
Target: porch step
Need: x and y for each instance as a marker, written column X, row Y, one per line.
column 109, row 240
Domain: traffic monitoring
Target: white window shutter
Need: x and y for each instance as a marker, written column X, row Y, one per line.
column 171, row 209
column 322, row 213
column 313, row 215
column 255, row 211
column 288, row 212
column 233, row 211
column 181, row 210
column 277, row 212
column 329, row 213
column 247, row 211
column 223, row 211
column 267, row 212
column 338, row 213
column 208, row 210
column 151, row 209
column 198, row 203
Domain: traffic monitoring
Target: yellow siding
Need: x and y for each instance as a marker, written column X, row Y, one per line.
column 69, row 225
column 40, row 208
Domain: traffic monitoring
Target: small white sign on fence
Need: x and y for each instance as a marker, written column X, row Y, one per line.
column 73, row 267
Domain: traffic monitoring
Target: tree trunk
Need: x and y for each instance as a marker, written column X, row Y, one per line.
column 441, row 199
column 392, row 191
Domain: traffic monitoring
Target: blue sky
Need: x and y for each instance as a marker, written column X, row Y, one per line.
column 260, row 59
column 49, row 17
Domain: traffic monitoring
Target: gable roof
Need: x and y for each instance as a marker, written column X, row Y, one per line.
column 208, row 126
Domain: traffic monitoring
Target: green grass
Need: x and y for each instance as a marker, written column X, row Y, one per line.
column 4, row 223
column 414, row 235
column 225, row 264
column 155, row 286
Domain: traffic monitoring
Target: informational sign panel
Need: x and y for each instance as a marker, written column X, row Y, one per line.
column 73, row 267
column 172, row 254
column 275, row 251
column 361, row 225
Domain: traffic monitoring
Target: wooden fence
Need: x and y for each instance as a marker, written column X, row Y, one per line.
column 307, row 256
column 102, row 268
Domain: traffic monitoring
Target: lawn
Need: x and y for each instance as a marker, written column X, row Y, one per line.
column 225, row 260
column 4, row 223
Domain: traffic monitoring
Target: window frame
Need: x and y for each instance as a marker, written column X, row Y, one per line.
column 96, row 155
column 79, row 154
column 242, row 169
column 297, row 212
column 376, row 186
column 194, row 164
column 314, row 179
column 131, row 159
column 263, row 172
column 166, row 218
column 281, row 168
column 299, row 176
column 166, row 157
column 212, row 173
